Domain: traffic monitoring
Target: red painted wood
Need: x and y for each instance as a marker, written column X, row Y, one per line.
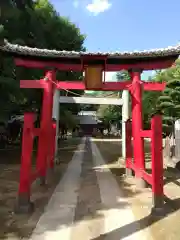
column 36, row 131
column 158, row 64
column 146, row 133
column 46, row 116
column 52, row 149
column 34, row 176
column 107, row 86
column 47, row 132
column 154, row 86
column 46, row 64
column 27, row 147
column 73, row 85
column 129, row 164
column 138, row 142
column 111, row 86
column 157, row 156
column 115, row 86
column 77, row 85
column 146, row 176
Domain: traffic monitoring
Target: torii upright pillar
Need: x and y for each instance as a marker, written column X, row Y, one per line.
column 47, row 84
column 46, row 126
column 138, row 142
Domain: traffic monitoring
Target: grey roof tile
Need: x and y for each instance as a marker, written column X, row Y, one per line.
column 28, row 51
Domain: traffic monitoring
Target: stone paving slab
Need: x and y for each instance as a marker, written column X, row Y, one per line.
column 165, row 227
column 88, row 204
column 59, row 214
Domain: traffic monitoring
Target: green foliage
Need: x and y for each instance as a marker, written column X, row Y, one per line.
column 36, row 24
column 149, row 100
column 122, row 76
column 69, row 120
column 168, row 102
column 109, row 113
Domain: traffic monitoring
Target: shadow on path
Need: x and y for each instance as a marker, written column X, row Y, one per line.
column 170, row 206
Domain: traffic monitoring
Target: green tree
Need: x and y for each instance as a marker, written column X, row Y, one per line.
column 169, row 105
column 110, row 113
column 122, row 76
column 38, row 25
column 167, row 102
column 149, row 102
column 69, row 120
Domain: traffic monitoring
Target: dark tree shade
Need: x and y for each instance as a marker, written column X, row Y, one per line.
column 36, row 24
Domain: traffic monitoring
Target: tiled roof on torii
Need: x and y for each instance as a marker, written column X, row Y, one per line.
column 26, row 51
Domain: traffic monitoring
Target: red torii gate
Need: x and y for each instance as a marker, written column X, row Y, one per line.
column 93, row 64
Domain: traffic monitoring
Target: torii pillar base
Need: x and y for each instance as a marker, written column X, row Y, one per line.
column 24, row 205
column 159, row 208
column 42, row 181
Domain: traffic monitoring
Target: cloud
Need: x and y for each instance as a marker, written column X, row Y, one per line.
column 98, row 6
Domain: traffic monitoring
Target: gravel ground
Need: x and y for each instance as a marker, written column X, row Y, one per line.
column 15, row 226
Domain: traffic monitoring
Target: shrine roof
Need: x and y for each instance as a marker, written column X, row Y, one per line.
column 26, row 51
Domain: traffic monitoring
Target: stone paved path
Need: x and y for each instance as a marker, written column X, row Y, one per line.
column 88, row 204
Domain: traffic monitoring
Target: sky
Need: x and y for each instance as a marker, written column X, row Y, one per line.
column 124, row 25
